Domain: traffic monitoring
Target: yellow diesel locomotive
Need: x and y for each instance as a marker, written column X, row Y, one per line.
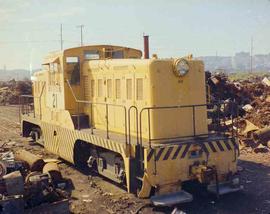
column 143, row 123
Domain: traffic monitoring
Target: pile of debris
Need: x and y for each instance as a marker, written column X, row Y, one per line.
column 10, row 91
column 29, row 184
column 251, row 98
column 258, row 110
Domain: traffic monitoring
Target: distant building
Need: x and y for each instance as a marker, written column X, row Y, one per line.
column 239, row 62
column 213, row 63
column 261, row 62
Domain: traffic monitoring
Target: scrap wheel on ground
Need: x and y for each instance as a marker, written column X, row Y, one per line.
column 36, row 135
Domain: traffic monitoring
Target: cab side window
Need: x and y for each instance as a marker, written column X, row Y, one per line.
column 53, row 69
column 91, row 54
column 118, row 54
column 73, row 64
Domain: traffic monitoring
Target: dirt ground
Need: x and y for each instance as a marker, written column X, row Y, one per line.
column 93, row 194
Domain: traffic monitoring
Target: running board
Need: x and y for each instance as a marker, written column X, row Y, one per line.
column 171, row 199
column 223, row 188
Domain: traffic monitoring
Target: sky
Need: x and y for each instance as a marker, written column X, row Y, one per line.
column 30, row 29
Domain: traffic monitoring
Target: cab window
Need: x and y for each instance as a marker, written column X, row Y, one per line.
column 73, row 64
column 114, row 54
column 53, row 69
column 91, row 54
column 72, row 60
column 118, row 54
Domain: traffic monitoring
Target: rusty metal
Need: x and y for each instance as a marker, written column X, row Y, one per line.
column 35, row 163
column 37, row 177
column 59, row 207
column 53, row 170
column 262, row 135
column 12, row 204
column 3, row 169
column 247, row 128
column 14, row 183
column 40, row 192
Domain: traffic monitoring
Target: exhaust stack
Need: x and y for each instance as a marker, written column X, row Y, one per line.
column 146, row 46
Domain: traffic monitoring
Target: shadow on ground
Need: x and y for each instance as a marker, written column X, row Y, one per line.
column 255, row 198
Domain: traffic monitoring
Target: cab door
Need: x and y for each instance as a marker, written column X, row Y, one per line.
column 99, row 106
column 119, row 101
column 109, row 100
column 142, row 99
column 130, row 94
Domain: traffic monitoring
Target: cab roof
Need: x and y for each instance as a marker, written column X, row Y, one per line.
column 55, row 56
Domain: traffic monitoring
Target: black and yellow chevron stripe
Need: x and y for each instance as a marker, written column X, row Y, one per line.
column 64, row 141
column 181, row 151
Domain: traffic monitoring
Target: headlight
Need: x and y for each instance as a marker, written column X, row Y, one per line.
column 181, row 67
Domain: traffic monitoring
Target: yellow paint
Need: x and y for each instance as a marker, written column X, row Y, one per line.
column 120, row 84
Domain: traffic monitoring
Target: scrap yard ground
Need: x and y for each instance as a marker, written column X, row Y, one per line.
column 93, row 194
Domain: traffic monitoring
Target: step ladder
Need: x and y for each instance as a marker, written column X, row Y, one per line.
column 80, row 121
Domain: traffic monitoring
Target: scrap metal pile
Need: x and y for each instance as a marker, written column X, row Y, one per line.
column 251, row 98
column 11, row 90
column 29, row 184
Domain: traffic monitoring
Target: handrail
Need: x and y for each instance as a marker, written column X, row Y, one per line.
column 89, row 102
column 107, row 112
column 217, row 119
column 23, row 109
column 42, row 89
column 22, row 104
column 34, row 97
column 137, row 126
column 148, row 109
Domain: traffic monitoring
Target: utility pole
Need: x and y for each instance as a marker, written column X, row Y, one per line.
column 81, row 27
column 61, row 36
column 251, row 55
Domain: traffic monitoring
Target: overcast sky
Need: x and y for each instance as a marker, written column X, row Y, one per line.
column 29, row 29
